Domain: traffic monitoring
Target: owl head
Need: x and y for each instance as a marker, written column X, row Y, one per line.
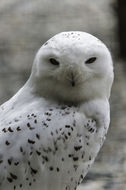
column 72, row 67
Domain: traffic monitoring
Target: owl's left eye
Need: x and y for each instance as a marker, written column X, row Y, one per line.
column 91, row 60
column 54, row 61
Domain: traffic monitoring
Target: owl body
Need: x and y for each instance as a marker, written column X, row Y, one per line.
column 53, row 128
column 55, row 155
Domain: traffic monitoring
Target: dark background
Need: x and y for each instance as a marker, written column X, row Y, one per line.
column 26, row 25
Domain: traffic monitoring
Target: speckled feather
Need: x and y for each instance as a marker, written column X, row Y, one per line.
column 47, row 144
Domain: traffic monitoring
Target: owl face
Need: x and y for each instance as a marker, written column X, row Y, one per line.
column 73, row 66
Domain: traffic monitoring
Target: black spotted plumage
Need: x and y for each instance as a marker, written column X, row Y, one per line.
column 32, row 147
column 53, row 128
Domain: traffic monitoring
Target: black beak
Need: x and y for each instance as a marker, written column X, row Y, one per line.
column 73, row 83
column 73, row 80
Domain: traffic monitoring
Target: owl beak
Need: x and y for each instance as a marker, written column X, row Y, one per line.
column 73, row 83
column 72, row 80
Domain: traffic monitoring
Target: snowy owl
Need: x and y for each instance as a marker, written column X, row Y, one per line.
column 53, row 128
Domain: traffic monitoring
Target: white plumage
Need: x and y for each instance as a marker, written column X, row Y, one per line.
column 53, row 128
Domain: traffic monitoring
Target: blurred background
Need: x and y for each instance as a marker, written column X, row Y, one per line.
column 26, row 25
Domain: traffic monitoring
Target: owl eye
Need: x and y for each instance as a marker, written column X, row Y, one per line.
column 53, row 61
column 91, row 60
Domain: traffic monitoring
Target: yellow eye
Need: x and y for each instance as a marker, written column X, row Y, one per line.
column 53, row 61
column 91, row 60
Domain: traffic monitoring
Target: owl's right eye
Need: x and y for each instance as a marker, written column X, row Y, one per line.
column 91, row 60
column 54, row 61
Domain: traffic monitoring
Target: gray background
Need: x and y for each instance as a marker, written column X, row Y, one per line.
column 26, row 25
